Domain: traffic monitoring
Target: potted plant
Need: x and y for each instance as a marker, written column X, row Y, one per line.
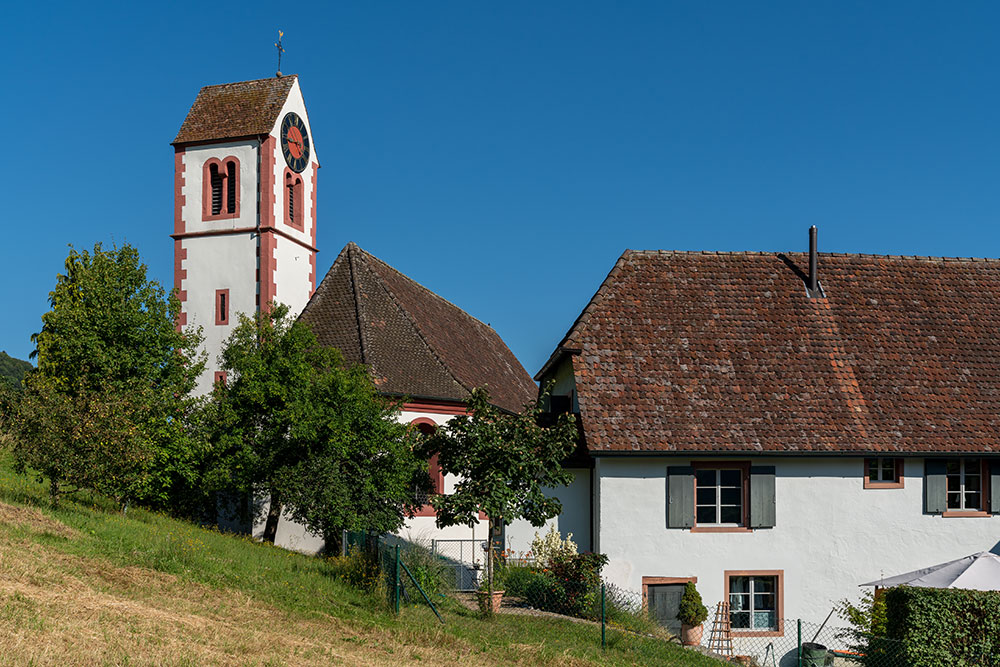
column 490, row 596
column 692, row 613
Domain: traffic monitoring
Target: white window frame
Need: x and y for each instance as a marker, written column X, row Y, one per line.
column 752, row 610
column 962, row 491
column 718, row 497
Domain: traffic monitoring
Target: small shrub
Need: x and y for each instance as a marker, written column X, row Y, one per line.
column 427, row 568
column 357, row 569
column 551, row 546
column 692, row 611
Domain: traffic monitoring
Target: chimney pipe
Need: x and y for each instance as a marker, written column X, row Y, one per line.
column 813, row 278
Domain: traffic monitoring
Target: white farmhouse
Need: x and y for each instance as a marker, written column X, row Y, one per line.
column 781, row 439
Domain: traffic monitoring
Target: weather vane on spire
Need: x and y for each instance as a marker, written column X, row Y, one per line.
column 280, row 50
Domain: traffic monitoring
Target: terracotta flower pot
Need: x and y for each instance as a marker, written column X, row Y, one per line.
column 690, row 634
column 488, row 603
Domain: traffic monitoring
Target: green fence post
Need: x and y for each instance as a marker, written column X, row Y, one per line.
column 604, row 642
column 395, row 588
column 800, row 642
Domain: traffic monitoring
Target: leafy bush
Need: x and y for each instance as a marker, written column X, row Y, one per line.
column 867, row 627
column 358, row 568
column 427, row 569
column 692, row 611
column 551, row 545
column 944, row 626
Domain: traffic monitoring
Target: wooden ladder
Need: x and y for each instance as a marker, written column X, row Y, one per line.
column 721, row 639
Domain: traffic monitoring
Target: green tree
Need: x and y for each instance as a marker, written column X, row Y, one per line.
column 504, row 463
column 311, row 433
column 108, row 406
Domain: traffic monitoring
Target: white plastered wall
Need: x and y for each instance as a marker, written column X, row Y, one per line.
column 292, row 274
column 574, row 519
column 218, row 262
column 831, row 534
column 294, row 103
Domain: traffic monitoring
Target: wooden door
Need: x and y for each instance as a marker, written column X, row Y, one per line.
column 664, row 601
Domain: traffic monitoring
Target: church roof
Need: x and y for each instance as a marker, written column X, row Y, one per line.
column 725, row 352
column 230, row 110
column 416, row 343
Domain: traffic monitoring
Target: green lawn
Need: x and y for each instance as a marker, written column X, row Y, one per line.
column 145, row 588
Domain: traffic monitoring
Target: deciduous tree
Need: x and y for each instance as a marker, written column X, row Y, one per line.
column 504, row 464
column 108, row 405
column 310, row 432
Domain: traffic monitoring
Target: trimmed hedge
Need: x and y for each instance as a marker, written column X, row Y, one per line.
column 945, row 627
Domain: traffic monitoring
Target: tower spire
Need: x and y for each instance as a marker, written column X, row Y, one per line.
column 280, row 51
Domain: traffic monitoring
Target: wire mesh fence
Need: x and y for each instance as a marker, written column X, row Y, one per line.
column 797, row 643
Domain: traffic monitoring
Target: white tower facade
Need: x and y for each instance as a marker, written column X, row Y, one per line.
column 245, row 172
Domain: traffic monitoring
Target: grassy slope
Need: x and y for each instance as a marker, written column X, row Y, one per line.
column 85, row 585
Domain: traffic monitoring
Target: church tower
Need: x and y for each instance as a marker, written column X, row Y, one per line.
column 244, row 207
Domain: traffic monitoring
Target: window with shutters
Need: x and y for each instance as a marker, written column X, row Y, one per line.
column 720, row 496
column 294, row 203
column 756, row 602
column 962, row 487
column 221, row 189
column 884, row 473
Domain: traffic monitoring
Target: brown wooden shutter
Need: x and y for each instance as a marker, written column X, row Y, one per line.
column 762, row 507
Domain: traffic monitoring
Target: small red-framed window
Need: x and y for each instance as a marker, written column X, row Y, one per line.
column 883, row 472
column 222, row 306
column 294, row 199
column 221, row 377
column 220, row 189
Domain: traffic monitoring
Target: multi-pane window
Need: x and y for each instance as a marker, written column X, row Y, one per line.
column 719, row 496
column 753, row 603
column 882, row 469
column 965, row 484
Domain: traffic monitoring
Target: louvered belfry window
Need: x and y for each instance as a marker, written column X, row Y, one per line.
column 216, row 178
column 293, row 200
column 291, row 203
column 230, row 187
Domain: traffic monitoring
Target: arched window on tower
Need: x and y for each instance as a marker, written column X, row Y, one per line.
column 293, row 199
column 221, row 189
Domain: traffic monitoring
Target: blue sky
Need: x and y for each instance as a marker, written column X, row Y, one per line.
column 504, row 154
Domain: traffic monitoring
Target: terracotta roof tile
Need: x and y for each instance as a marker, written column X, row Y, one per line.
column 724, row 352
column 241, row 109
column 416, row 343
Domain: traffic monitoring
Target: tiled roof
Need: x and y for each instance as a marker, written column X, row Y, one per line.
column 416, row 343
column 229, row 110
column 714, row 352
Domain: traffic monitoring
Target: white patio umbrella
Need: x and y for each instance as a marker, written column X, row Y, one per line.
column 980, row 572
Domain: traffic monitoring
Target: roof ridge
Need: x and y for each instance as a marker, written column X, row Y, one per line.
column 861, row 255
column 362, row 344
column 263, row 78
column 410, row 318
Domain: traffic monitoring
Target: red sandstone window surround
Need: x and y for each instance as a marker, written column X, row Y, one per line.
column 222, row 306
column 427, row 427
column 221, row 377
column 883, row 473
column 294, row 199
column 220, row 189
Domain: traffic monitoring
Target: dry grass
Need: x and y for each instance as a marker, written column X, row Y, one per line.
column 58, row 609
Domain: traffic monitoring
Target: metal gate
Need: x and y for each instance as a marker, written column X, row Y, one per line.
column 463, row 561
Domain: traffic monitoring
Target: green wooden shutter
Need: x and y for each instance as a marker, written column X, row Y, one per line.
column 994, row 486
column 762, row 497
column 680, row 497
column 935, row 486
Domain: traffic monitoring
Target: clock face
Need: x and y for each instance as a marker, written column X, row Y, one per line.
column 294, row 142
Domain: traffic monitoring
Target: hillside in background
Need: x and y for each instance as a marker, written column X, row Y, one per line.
column 13, row 368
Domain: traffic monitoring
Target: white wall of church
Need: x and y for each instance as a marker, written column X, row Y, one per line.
column 194, row 163
column 292, row 274
column 213, row 263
